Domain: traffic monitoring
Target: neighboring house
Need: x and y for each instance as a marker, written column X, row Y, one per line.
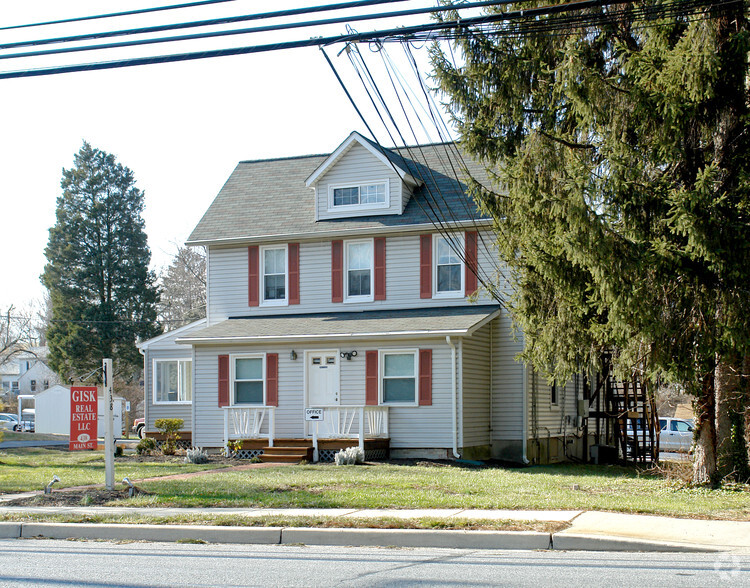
column 9, row 372
column 34, row 373
column 333, row 286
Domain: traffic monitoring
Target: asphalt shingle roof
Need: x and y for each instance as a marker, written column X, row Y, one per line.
column 421, row 322
column 266, row 198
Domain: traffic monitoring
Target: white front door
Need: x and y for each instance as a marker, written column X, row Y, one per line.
column 322, row 378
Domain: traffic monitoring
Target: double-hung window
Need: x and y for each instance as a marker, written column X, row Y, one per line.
column 274, row 278
column 449, row 267
column 359, row 271
column 173, row 380
column 364, row 196
column 248, row 379
column 399, row 377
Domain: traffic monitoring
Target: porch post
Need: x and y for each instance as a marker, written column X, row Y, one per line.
column 362, row 428
column 271, row 426
column 226, row 428
column 316, row 458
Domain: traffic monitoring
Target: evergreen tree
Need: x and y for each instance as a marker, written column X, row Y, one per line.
column 103, row 294
column 621, row 154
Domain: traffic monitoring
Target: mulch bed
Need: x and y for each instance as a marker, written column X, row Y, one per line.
column 87, row 497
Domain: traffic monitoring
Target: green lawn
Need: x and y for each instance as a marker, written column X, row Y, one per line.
column 394, row 486
column 32, row 468
column 384, row 486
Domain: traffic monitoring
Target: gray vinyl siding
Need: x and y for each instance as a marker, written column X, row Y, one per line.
column 228, row 280
column 165, row 410
column 550, row 419
column 358, row 166
column 475, row 396
column 410, row 426
column 507, row 382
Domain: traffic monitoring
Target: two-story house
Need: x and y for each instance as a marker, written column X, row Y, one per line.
column 347, row 283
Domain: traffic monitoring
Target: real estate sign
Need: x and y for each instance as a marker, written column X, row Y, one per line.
column 83, row 415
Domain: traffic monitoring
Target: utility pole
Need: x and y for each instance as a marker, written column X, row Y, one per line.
column 109, row 440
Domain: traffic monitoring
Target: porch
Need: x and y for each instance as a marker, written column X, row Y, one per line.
column 336, row 428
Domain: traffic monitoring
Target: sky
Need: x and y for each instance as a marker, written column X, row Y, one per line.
column 181, row 128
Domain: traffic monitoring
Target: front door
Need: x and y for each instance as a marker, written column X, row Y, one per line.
column 322, row 378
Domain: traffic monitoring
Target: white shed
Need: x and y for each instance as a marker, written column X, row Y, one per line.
column 53, row 412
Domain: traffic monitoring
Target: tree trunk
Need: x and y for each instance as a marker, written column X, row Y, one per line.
column 704, row 465
column 729, row 394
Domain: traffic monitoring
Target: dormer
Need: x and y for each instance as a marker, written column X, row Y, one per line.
column 361, row 178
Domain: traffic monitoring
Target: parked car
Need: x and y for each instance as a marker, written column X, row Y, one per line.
column 28, row 418
column 676, row 434
column 9, row 422
column 139, row 428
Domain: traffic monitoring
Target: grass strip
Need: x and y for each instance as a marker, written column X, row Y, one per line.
column 433, row 523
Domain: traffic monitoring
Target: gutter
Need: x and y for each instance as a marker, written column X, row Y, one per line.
column 454, row 386
column 314, row 337
column 525, row 432
column 324, row 235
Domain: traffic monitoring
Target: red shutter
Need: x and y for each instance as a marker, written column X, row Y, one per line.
column 425, row 377
column 253, row 276
column 371, row 378
column 293, row 273
column 337, row 271
column 425, row 266
column 471, row 266
column 272, row 379
column 379, row 268
column 223, row 380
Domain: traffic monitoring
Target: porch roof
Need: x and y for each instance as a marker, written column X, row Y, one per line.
column 409, row 323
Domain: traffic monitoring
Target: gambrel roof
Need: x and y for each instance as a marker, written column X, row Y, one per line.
column 269, row 199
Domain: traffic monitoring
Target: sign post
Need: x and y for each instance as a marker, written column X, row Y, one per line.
column 109, row 440
column 83, row 417
column 316, row 415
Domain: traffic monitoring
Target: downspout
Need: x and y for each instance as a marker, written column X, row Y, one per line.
column 145, row 390
column 525, row 419
column 454, row 387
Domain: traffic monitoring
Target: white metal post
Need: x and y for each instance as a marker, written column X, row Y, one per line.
column 362, row 428
column 271, row 426
column 109, row 440
column 316, row 457
column 226, row 430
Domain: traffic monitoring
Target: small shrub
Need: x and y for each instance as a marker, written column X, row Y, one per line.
column 196, row 455
column 118, row 450
column 232, row 448
column 256, row 459
column 145, row 446
column 349, row 456
column 170, row 429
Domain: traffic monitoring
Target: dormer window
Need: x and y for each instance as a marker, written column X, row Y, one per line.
column 359, row 197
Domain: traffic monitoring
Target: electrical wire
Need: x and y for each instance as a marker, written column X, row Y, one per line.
column 525, row 21
column 114, row 14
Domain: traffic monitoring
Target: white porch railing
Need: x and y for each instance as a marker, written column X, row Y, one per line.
column 246, row 422
column 351, row 422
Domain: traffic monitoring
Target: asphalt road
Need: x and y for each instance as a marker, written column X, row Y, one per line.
column 41, row 562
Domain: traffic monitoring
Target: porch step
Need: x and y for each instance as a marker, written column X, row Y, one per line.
column 286, row 454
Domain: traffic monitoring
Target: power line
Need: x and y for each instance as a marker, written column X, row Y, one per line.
column 525, row 20
column 215, row 34
column 198, row 23
column 114, row 14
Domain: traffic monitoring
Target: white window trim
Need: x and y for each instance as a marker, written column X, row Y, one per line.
column 381, row 375
column 371, row 296
column 179, row 381
column 262, row 272
column 232, row 361
column 360, row 185
column 455, row 237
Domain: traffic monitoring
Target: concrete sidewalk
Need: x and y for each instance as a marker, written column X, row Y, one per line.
column 589, row 531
